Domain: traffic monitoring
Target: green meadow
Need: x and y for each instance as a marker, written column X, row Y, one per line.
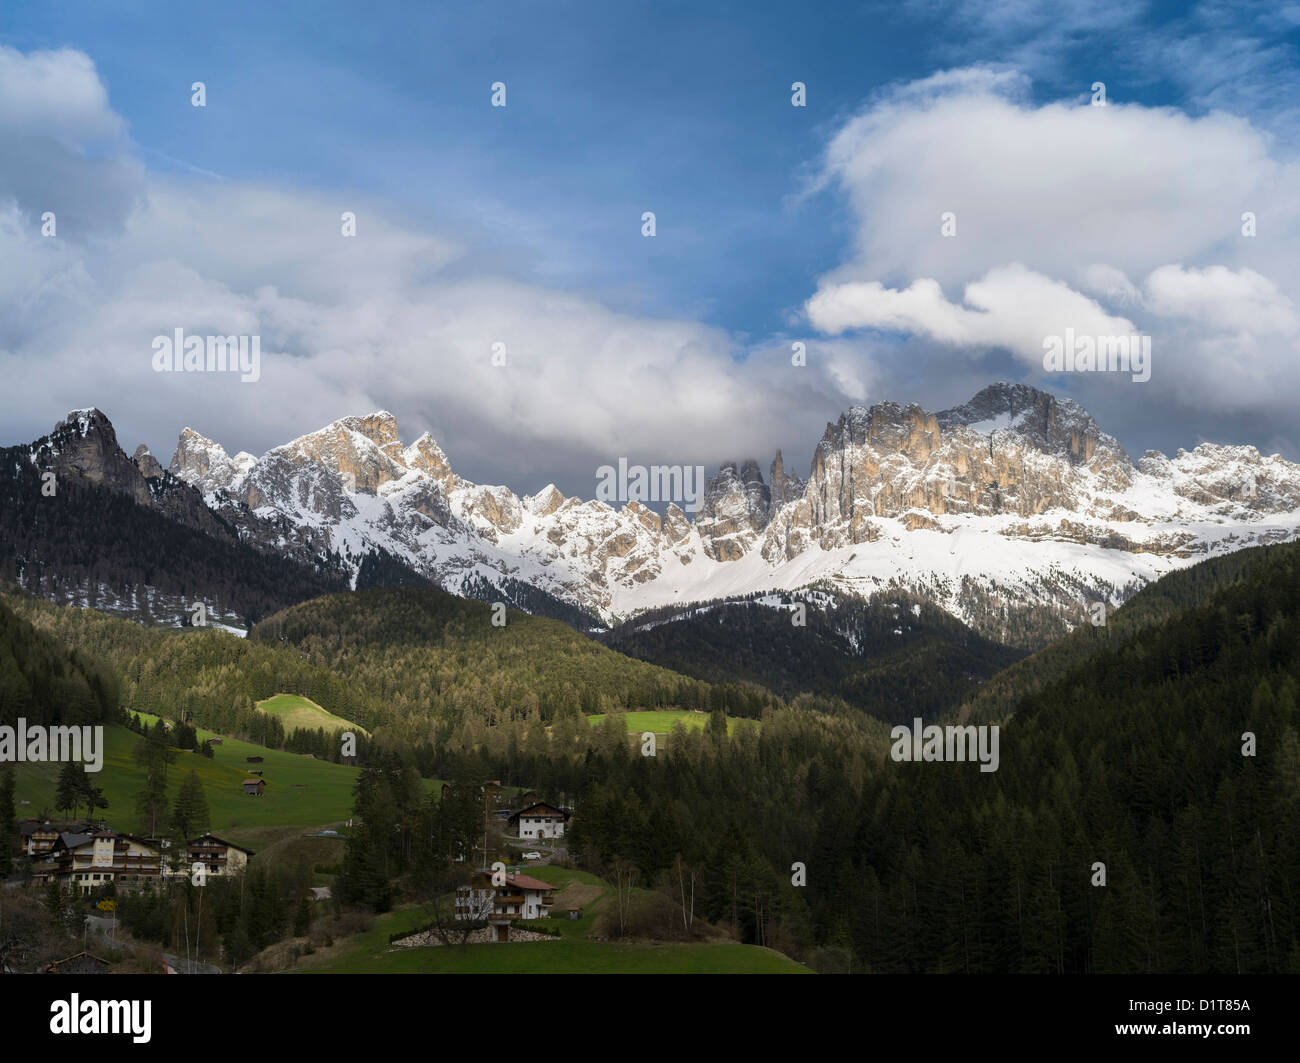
column 300, row 791
column 299, row 713
column 568, row 956
column 661, row 721
column 574, row 953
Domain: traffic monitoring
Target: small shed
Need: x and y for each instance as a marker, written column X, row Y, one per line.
column 573, row 912
column 255, row 787
column 254, row 760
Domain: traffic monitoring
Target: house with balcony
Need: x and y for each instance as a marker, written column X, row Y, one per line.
column 37, row 838
column 518, row 897
column 85, row 862
column 218, row 856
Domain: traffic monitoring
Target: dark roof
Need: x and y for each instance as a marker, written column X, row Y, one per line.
column 533, row 810
column 74, row 841
column 143, row 841
column 222, row 841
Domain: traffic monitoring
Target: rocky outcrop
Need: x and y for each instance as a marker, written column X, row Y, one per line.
column 735, row 508
column 146, row 463
column 1014, row 464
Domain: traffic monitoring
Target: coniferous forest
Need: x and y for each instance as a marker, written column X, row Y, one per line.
column 1145, row 816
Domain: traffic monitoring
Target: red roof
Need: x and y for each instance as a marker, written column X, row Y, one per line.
column 527, row 883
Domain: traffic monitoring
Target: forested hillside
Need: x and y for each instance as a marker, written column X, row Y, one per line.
column 1156, row 602
column 88, row 536
column 894, row 657
column 449, row 663
column 45, row 682
column 1171, row 758
column 412, row 666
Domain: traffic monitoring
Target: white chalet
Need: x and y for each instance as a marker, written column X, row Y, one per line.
column 540, row 821
column 520, row 897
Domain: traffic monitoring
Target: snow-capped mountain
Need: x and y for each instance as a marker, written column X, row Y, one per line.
column 1015, row 496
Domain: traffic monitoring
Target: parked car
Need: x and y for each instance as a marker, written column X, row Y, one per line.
column 532, row 856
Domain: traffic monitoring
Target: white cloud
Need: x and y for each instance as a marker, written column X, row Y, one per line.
column 392, row 317
column 1009, row 307
column 1057, row 206
column 1221, row 298
column 58, row 94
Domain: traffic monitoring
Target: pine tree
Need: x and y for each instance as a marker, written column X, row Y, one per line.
column 91, row 794
column 8, row 830
column 154, row 757
column 190, row 816
column 302, row 919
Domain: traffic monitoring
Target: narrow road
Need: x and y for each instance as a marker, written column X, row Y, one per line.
column 102, row 927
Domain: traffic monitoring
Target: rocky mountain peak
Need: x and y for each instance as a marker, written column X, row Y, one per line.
column 84, row 446
column 545, row 502
column 379, row 427
column 1014, row 468
column 735, row 508
column 426, row 456
column 196, row 455
column 785, row 486
column 146, row 463
column 1054, row 426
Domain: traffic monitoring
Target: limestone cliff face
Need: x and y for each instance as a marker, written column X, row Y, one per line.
column 1013, row 463
column 84, row 446
column 785, row 486
column 734, row 510
column 1011, row 450
column 146, row 463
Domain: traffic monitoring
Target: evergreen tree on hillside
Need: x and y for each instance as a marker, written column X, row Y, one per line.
column 68, row 794
column 92, row 795
column 153, row 756
column 8, row 829
column 365, row 877
column 190, row 810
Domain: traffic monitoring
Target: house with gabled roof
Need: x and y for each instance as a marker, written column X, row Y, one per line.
column 539, row 820
column 89, row 861
column 512, row 896
column 81, row 963
column 218, row 856
column 37, row 837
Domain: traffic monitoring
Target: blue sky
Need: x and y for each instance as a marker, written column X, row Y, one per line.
column 680, row 108
column 614, row 109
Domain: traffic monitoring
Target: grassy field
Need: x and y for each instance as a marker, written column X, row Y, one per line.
column 661, row 722
column 298, row 712
column 288, row 847
column 569, row 956
column 369, row 953
column 573, row 953
column 300, row 791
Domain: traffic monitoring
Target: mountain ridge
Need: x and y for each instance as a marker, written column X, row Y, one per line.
column 1015, row 498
